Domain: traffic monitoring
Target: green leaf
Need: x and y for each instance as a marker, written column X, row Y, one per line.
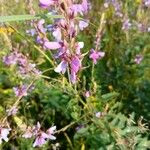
column 17, row 18
column 110, row 96
column 18, row 121
column 26, row 17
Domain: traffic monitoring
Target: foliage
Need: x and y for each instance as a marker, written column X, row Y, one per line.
column 108, row 106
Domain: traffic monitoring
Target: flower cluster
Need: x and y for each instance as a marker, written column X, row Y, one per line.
column 24, row 66
column 96, row 55
column 66, row 50
column 126, row 24
column 117, row 6
column 40, row 136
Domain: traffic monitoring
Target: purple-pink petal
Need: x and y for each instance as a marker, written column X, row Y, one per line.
column 73, row 77
column 39, row 141
column 61, row 67
column 57, row 34
column 83, row 24
column 75, row 64
column 46, row 3
column 138, row 59
column 28, row 133
column 4, row 133
column 20, row 91
column 96, row 55
column 85, row 6
column 12, row 111
column 52, row 45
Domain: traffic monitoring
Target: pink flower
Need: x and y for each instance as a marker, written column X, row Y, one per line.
column 31, row 32
column 126, row 24
column 52, row 45
column 80, row 8
column 77, row 8
column 50, row 133
column 96, row 55
column 40, row 139
column 85, row 6
column 24, row 67
column 20, row 91
column 12, row 111
column 57, row 34
column 11, row 59
column 138, row 59
column 98, row 114
column 83, row 24
column 46, row 3
column 40, row 136
column 87, row 94
column 75, row 65
column 147, row 3
column 28, row 133
column 40, row 25
column 78, row 47
column 3, row 134
column 73, row 77
column 61, row 67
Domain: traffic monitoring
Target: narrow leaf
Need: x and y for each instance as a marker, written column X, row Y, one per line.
column 25, row 17
column 109, row 96
column 17, row 18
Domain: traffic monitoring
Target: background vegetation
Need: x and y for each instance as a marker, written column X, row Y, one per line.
column 119, row 87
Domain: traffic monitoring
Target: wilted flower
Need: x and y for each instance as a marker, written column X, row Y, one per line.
column 28, row 133
column 4, row 133
column 141, row 27
column 12, row 111
column 100, row 114
column 80, row 127
column 106, row 4
column 95, row 55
